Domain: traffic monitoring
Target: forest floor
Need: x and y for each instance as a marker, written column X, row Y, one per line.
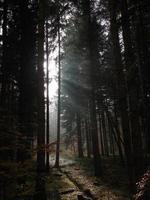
column 75, row 180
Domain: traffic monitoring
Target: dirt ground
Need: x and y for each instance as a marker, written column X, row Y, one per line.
column 74, row 180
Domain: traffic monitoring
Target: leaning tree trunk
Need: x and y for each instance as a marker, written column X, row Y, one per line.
column 116, row 135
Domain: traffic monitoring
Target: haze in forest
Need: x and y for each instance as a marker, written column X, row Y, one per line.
column 74, row 99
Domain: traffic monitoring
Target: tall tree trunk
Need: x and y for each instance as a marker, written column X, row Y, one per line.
column 95, row 144
column 47, row 102
column 4, row 81
column 86, row 6
column 121, row 90
column 116, row 135
column 27, row 79
column 105, row 134
column 111, row 138
column 133, row 94
column 79, row 136
column 59, row 103
column 141, row 23
column 87, row 139
column 40, row 184
column 101, row 134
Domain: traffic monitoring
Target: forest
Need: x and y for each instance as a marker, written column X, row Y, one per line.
column 74, row 99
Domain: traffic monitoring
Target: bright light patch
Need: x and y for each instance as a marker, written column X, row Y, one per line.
column 53, row 86
column 53, row 89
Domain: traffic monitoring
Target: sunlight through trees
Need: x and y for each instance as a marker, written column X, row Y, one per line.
column 74, row 99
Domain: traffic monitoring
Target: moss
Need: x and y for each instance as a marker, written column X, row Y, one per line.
column 57, row 181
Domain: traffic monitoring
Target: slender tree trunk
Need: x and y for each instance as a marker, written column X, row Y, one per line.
column 59, row 103
column 41, row 107
column 111, row 141
column 116, row 135
column 87, row 139
column 101, row 134
column 89, row 129
column 79, row 136
column 3, row 95
column 47, row 102
column 105, row 134
column 95, row 145
column 40, row 184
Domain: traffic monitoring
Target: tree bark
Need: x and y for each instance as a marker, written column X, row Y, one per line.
column 94, row 132
column 133, row 93
column 101, row 134
column 105, row 134
column 40, row 183
column 87, row 139
column 79, row 136
column 121, row 90
column 47, row 102
column 59, row 93
column 4, row 80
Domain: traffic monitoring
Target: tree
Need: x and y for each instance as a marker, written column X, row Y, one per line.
column 121, row 88
column 79, row 136
column 47, row 102
column 27, row 78
column 133, row 93
column 86, row 6
column 59, row 93
column 40, row 184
